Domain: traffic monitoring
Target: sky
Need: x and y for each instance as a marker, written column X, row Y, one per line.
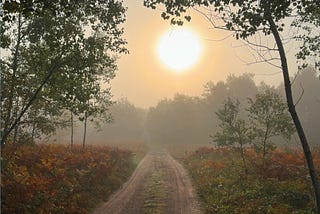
column 144, row 79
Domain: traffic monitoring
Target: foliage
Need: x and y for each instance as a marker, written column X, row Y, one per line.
column 269, row 117
column 65, row 51
column 309, row 21
column 127, row 124
column 168, row 121
column 190, row 120
column 280, row 186
column 55, row 179
column 237, row 87
column 234, row 130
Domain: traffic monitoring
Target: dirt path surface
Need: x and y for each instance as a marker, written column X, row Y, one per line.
column 159, row 185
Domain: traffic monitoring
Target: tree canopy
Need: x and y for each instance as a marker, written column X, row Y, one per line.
column 65, row 51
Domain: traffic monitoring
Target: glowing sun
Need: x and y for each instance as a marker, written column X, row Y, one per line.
column 179, row 49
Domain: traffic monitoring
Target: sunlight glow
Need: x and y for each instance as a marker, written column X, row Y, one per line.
column 179, row 49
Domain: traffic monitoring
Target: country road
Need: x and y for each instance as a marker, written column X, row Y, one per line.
column 159, row 185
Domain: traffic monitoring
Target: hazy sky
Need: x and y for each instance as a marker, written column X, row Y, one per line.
column 144, row 79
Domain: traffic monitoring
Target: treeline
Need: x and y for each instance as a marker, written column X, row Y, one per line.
column 193, row 120
column 125, row 125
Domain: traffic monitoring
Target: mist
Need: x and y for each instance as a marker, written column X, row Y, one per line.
column 192, row 120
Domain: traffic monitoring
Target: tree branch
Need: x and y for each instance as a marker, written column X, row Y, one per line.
column 31, row 100
column 301, row 95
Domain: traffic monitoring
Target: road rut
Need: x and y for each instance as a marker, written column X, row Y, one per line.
column 159, row 185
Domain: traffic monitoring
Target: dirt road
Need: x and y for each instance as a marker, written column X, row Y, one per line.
column 159, row 185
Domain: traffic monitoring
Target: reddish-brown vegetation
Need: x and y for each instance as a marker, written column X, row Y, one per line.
column 278, row 184
column 59, row 179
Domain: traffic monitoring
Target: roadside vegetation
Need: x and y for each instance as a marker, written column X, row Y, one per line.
column 278, row 184
column 55, row 178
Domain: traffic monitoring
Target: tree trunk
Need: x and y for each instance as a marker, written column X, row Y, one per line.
column 15, row 114
column 71, row 138
column 84, row 131
column 294, row 115
column 265, row 138
column 15, row 135
column 243, row 159
column 31, row 100
column 33, row 128
column 243, row 155
column 14, row 68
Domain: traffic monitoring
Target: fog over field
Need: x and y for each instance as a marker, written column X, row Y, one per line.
column 187, row 119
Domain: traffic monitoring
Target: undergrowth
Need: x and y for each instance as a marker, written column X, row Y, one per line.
column 59, row 179
column 279, row 184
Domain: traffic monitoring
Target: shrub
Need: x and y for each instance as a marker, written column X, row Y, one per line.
column 55, row 179
column 278, row 186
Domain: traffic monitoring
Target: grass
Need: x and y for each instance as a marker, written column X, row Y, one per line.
column 155, row 194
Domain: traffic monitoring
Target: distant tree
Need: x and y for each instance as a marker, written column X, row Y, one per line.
column 95, row 107
column 248, row 18
column 176, row 121
column 306, row 88
column 234, row 130
column 122, row 123
column 127, row 122
column 215, row 94
column 241, row 87
column 269, row 117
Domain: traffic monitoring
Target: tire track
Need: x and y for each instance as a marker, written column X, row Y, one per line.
column 130, row 199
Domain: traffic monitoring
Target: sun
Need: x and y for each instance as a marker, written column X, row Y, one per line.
column 179, row 49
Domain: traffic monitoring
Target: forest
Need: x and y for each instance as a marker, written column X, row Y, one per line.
column 67, row 146
column 184, row 119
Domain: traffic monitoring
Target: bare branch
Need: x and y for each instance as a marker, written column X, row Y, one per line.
column 260, row 46
column 219, row 40
column 260, row 58
column 300, row 96
column 262, row 51
column 263, row 60
column 295, row 77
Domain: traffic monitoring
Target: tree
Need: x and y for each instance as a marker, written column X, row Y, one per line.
column 122, row 123
column 234, row 130
column 181, row 120
column 269, row 118
column 95, row 108
column 248, row 18
column 127, row 123
column 65, row 50
column 239, row 87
